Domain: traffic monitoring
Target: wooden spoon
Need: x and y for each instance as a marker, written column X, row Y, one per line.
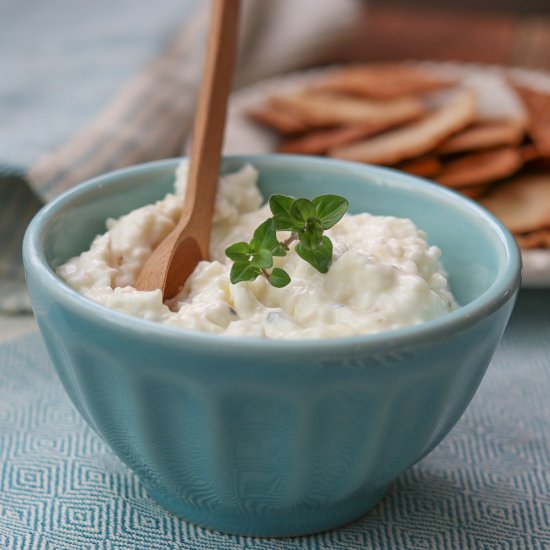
column 178, row 254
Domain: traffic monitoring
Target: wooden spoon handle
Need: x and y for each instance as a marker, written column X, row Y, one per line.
column 208, row 131
column 178, row 254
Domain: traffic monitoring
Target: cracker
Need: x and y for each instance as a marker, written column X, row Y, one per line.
column 475, row 191
column 416, row 138
column 535, row 239
column 324, row 109
column 479, row 168
column 522, row 204
column 427, row 166
column 277, row 119
column 529, row 153
column 318, row 142
column 382, row 81
column 537, row 104
column 483, row 135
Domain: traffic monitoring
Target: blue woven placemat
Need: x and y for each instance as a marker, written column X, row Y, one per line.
column 487, row 486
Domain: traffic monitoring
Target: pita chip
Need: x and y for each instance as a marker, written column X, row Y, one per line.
column 522, row 204
column 416, row 138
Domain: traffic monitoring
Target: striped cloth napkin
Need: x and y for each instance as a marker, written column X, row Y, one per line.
column 95, row 86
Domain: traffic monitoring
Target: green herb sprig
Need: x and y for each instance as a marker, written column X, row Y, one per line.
column 306, row 220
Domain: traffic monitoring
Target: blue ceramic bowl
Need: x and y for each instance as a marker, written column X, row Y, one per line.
column 267, row 437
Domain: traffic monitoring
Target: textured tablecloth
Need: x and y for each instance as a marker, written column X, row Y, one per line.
column 486, row 486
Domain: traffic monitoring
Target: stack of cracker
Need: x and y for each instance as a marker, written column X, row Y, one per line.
column 487, row 138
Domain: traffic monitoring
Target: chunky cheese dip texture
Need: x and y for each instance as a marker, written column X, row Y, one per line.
column 384, row 275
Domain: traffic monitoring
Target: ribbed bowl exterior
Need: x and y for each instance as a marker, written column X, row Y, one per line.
column 264, row 445
column 272, row 438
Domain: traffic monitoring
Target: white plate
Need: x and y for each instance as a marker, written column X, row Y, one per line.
column 242, row 136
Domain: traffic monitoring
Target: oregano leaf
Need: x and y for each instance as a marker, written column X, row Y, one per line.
column 280, row 250
column 280, row 207
column 301, row 210
column 238, row 252
column 319, row 257
column 279, row 277
column 262, row 258
column 243, row 272
column 329, row 209
column 311, row 235
column 265, row 236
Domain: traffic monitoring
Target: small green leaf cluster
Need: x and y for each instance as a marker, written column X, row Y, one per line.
column 306, row 220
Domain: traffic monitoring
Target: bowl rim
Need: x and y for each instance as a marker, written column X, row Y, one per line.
column 503, row 288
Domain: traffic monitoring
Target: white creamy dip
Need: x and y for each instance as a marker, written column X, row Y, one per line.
column 384, row 275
